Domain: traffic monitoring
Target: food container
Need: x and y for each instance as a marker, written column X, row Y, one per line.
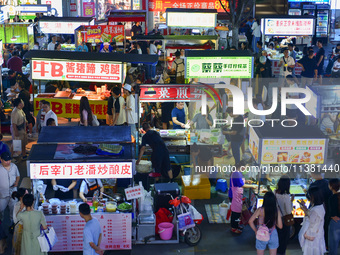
column 73, row 206
column 54, row 208
column 111, row 206
column 46, row 208
column 63, row 208
column 144, row 166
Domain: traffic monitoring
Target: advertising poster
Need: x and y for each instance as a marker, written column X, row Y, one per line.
column 293, row 151
column 281, row 26
column 219, row 67
column 104, row 33
column 77, row 71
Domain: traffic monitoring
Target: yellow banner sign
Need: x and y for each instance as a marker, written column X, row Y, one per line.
column 69, row 108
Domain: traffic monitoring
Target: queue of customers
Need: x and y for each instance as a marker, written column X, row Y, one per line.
column 320, row 231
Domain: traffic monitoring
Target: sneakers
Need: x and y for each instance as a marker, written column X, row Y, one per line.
column 236, row 231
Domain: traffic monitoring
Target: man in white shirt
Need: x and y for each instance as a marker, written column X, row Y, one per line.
column 153, row 48
column 256, row 35
column 336, row 68
column 51, row 45
column 48, row 114
column 130, row 108
column 9, row 180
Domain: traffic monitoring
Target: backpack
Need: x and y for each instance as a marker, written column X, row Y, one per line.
column 263, row 233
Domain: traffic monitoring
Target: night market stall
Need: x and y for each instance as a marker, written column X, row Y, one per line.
column 102, row 154
column 81, row 67
column 300, row 27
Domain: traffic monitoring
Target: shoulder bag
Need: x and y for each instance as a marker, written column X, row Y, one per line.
column 289, row 69
column 95, row 122
column 288, row 219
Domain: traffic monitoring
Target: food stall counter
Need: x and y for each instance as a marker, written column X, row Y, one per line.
column 58, row 156
column 116, row 231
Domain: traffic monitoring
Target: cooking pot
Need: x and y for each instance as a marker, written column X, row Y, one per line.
column 118, row 197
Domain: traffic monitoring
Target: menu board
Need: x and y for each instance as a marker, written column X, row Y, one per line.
column 116, row 231
column 288, row 26
column 254, row 143
column 219, row 67
column 103, row 33
column 293, row 151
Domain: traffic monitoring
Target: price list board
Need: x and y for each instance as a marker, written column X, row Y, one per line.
column 116, row 231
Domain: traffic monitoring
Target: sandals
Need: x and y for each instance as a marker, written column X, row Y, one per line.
column 236, row 231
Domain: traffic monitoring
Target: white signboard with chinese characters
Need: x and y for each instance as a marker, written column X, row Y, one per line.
column 77, row 71
column 116, row 231
column 285, row 27
column 191, row 19
column 53, row 27
column 80, row 170
column 219, row 67
column 134, row 192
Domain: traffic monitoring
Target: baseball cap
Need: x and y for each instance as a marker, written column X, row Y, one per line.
column 106, row 43
column 6, row 156
column 127, row 87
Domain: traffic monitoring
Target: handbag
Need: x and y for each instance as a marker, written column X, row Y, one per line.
column 95, row 122
column 12, row 227
column 17, row 145
column 185, row 221
column 47, row 239
column 288, row 219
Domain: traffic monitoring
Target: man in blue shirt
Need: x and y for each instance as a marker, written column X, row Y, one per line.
column 3, row 147
column 178, row 116
column 92, row 232
column 83, row 47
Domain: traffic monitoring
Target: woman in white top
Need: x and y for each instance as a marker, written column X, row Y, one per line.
column 130, row 108
column 284, row 201
column 311, row 235
column 17, row 235
column 86, row 115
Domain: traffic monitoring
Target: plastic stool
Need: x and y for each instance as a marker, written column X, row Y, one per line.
column 221, row 185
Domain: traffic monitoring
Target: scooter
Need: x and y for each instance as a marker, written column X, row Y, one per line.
column 189, row 219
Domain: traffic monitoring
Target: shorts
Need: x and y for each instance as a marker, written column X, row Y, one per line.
column 320, row 70
column 161, row 163
column 273, row 242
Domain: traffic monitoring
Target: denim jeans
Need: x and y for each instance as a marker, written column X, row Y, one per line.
column 333, row 237
column 235, row 148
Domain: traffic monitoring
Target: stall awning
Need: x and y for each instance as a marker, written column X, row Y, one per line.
column 298, row 132
column 79, row 134
column 127, row 16
column 92, row 56
column 218, row 53
column 64, row 25
column 124, row 18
